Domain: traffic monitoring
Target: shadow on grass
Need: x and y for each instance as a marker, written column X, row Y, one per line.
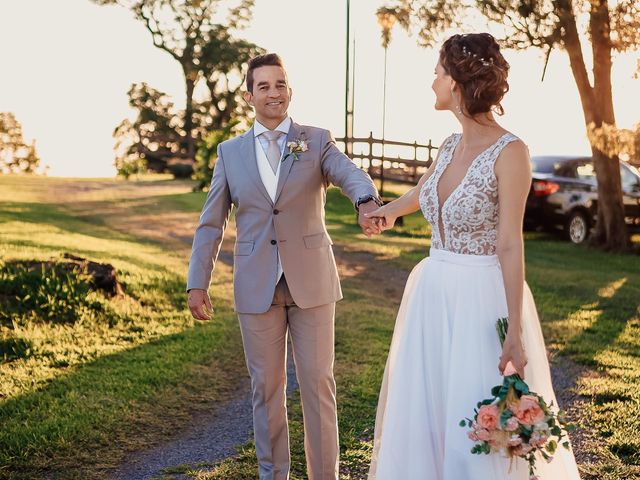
column 82, row 423
column 66, row 225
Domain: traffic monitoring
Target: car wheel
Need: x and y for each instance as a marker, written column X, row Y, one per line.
column 577, row 227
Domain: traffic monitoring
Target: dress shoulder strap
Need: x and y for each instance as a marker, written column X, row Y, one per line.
column 502, row 142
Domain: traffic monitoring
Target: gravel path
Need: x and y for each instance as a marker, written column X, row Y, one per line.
column 210, row 437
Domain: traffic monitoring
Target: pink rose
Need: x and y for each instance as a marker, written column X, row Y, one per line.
column 512, row 424
column 488, row 417
column 528, row 410
column 483, row 434
column 522, row 449
column 538, row 440
column 514, row 441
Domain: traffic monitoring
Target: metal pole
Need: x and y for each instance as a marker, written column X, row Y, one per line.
column 384, row 114
column 347, row 145
column 353, row 94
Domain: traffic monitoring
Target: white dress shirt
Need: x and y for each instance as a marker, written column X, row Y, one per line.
column 269, row 178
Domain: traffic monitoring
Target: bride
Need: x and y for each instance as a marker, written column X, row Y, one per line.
column 445, row 354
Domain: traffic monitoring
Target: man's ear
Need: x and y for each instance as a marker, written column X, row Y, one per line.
column 248, row 98
column 290, row 93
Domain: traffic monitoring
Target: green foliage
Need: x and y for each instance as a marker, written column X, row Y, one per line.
column 15, row 155
column 180, row 169
column 212, row 60
column 75, row 398
column 207, row 153
column 46, row 292
column 13, row 348
column 130, row 165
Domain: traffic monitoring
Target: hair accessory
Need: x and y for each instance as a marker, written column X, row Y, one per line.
column 467, row 53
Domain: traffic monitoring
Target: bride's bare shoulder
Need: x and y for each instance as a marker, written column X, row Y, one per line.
column 514, row 158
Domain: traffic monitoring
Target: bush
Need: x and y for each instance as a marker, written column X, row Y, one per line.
column 180, row 169
column 14, row 348
column 207, row 153
column 45, row 291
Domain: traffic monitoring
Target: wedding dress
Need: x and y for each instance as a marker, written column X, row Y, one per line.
column 445, row 351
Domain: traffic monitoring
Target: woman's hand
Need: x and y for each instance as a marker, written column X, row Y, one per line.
column 513, row 358
column 386, row 219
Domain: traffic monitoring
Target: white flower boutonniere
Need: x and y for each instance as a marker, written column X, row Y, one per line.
column 296, row 147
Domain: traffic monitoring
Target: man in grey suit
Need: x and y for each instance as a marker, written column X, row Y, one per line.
column 285, row 275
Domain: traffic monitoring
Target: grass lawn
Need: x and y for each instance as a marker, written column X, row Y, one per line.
column 81, row 395
column 127, row 375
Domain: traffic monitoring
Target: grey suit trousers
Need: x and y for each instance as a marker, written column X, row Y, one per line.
column 264, row 337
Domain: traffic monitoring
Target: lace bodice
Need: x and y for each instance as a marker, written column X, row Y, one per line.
column 470, row 213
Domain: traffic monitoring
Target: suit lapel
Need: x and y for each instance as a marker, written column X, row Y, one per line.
column 248, row 155
column 285, row 167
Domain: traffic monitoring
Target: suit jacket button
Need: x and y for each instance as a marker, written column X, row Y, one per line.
column 276, row 211
column 273, row 242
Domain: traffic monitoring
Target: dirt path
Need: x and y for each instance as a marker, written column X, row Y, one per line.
column 208, row 439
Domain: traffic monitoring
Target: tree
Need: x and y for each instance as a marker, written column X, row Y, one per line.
column 153, row 138
column 15, row 155
column 569, row 26
column 208, row 153
column 209, row 56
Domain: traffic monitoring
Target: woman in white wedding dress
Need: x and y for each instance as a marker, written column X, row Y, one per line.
column 445, row 355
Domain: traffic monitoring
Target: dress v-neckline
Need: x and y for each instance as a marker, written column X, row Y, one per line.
column 440, row 206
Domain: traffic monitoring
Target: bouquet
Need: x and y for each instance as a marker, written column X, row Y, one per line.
column 517, row 421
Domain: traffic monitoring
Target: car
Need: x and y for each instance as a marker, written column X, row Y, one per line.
column 564, row 195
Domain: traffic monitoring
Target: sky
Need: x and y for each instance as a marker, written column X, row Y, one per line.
column 67, row 66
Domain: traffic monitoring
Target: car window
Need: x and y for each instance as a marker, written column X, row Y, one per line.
column 585, row 171
column 566, row 169
column 628, row 179
column 544, row 164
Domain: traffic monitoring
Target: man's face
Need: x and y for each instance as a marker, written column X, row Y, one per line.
column 271, row 93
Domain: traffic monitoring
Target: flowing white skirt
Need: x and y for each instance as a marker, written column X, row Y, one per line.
column 442, row 361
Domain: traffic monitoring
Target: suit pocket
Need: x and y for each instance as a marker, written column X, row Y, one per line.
column 317, row 240
column 303, row 162
column 243, row 248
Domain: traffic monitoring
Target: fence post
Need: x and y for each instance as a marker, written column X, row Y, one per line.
column 370, row 155
column 430, row 159
column 415, row 159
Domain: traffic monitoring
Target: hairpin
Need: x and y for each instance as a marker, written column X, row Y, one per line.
column 485, row 62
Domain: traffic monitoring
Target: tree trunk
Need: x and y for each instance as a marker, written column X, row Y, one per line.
column 597, row 105
column 190, row 143
column 611, row 231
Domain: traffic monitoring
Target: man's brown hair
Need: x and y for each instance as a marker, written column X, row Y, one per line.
column 268, row 59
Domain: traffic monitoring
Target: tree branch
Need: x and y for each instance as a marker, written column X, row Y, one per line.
column 571, row 41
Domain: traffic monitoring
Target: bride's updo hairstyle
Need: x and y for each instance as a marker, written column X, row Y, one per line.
column 474, row 61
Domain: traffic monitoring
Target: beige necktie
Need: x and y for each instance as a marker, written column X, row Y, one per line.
column 273, row 151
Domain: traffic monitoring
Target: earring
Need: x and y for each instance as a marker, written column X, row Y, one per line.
column 458, row 110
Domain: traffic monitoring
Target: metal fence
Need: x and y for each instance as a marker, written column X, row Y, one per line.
column 407, row 164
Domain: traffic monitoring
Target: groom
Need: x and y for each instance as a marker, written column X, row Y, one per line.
column 285, row 276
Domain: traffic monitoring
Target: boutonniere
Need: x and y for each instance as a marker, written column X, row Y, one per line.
column 296, row 147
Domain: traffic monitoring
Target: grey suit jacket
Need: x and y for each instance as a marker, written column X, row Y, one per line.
column 293, row 225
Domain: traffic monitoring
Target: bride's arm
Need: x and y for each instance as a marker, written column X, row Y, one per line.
column 513, row 171
column 406, row 204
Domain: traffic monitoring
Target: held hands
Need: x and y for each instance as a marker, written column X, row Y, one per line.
column 200, row 304
column 385, row 220
column 370, row 226
column 513, row 358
